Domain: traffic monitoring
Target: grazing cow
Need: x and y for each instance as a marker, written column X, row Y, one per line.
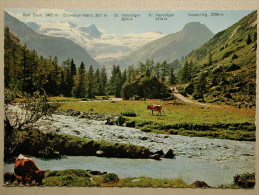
column 157, row 108
column 26, row 171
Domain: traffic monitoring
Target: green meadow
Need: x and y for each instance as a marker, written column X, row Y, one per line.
column 223, row 122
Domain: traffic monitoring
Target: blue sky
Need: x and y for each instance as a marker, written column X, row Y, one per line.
column 145, row 23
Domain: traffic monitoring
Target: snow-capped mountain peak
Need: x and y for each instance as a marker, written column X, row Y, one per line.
column 98, row 44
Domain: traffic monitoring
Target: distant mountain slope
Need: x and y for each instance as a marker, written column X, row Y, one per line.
column 47, row 45
column 105, row 48
column 172, row 46
column 231, row 75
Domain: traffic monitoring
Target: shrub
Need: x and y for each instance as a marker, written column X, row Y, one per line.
column 233, row 67
column 68, row 177
column 32, row 108
column 146, row 130
column 197, row 95
column 189, row 89
column 110, row 178
column 183, row 93
column 8, row 96
column 248, row 40
column 173, row 132
column 120, row 121
column 245, row 180
column 228, row 53
column 130, row 124
column 234, row 57
column 218, row 69
column 131, row 114
column 201, row 100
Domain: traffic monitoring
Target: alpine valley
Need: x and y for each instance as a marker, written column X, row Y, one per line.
column 106, row 49
column 131, row 110
column 128, row 49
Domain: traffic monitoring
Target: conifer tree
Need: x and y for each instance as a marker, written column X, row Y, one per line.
column 80, row 88
column 97, row 81
column 72, row 68
column 124, row 77
column 118, row 83
column 164, row 70
column 175, row 64
column 200, row 87
column 131, row 74
column 104, row 81
column 157, row 70
column 25, row 68
column 90, row 83
column 57, row 75
column 112, row 80
column 210, row 59
column 115, row 83
column 50, row 86
column 15, row 68
column 172, row 78
column 190, row 71
column 146, row 67
column 63, row 86
column 71, row 72
column 187, row 71
column 41, row 74
column 34, row 63
column 184, row 72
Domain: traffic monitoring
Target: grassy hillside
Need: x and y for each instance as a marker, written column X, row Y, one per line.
column 231, row 74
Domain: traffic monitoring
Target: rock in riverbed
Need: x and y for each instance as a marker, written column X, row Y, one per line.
column 48, row 152
column 88, row 115
column 160, row 152
column 155, row 156
column 99, row 153
column 96, row 172
column 199, row 184
column 169, row 154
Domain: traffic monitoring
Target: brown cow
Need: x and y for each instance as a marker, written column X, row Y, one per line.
column 26, row 171
column 157, row 108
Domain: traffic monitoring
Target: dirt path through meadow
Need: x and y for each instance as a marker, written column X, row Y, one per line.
column 184, row 99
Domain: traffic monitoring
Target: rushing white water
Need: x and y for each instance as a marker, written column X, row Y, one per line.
column 215, row 161
column 192, row 147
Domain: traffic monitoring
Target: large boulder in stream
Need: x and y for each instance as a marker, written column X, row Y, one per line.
column 199, row 184
column 48, row 152
column 169, row 154
column 99, row 153
column 96, row 172
column 73, row 112
column 155, row 156
column 160, row 152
